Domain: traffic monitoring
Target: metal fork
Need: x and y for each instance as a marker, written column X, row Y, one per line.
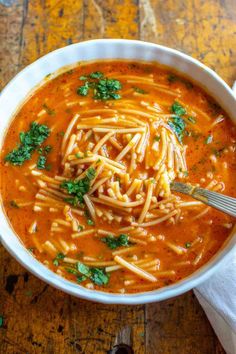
column 216, row 200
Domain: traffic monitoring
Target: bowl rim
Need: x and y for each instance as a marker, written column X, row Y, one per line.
column 39, row 270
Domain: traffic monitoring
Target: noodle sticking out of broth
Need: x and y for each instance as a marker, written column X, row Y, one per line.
column 87, row 188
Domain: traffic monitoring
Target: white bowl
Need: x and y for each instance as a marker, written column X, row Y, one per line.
column 16, row 91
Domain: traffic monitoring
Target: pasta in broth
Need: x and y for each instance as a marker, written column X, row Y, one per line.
column 87, row 189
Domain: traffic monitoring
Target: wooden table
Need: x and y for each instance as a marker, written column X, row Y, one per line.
column 36, row 317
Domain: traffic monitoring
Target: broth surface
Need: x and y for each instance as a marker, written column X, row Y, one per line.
column 93, row 202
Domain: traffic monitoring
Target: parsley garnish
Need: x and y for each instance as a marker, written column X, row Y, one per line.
column 97, row 275
column 96, row 75
column 78, row 188
column 103, row 88
column 50, row 111
column 178, row 109
column 13, row 204
column 1, row 321
column 115, row 242
column 59, row 256
column 177, row 123
column 209, row 139
column 187, row 244
column 192, row 120
column 83, row 77
column 157, row 138
column 83, row 90
column 29, row 142
column 41, row 163
column 90, row 222
column 139, row 90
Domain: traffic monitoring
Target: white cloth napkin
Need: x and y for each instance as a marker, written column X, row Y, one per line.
column 217, row 296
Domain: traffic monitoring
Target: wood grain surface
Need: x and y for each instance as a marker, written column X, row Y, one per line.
column 34, row 317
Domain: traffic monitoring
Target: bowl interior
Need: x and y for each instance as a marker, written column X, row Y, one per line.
column 21, row 86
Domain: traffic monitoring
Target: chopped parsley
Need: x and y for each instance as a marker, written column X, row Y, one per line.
column 96, row 75
column 139, row 90
column 115, row 242
column 192, row 120
column 187, row 244
column 177, row 123
column 83, row 77
column 13, row 204
column 90, row 222
column 41, row 163
column 157, row 138
column 78, row 188
column 209, row 139
column 29, row 142
column 50, row 111
column 178, row 109
column 102, row 87
column 83, row 90
column 59, row 256
column 173, row 78
column 218, row 152
column 97, row 275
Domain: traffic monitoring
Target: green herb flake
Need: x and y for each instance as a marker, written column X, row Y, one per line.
column 106, row 89
column 31, row 249
column 139, row 90
column 41, row 162
column 192, row 120
column 83, row 90
column 13, row 204
column 177, row 124
column 1, row 321
column 72, row 271
column 29, row 142
column 218, row 152
column 157, row 138
column 96, row 75
column 80, row 227
column 49, row 111
column 83, row 272
column 103, row 88
column 83, row 77
column 115, row 242
column 209, row 139
column 188, row 244
column 78, row 156
column 56, row 261
column 78, row 188
column 178, row 109
column 172, row 78
column 81, row 278
column 99, row 276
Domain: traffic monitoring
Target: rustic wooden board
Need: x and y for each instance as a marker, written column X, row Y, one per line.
column 36, row 317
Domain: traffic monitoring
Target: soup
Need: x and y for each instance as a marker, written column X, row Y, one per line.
column 86, row 171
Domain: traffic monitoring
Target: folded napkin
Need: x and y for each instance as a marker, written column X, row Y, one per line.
column 217, row 297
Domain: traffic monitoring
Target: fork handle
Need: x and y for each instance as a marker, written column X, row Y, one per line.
column 216, row 200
